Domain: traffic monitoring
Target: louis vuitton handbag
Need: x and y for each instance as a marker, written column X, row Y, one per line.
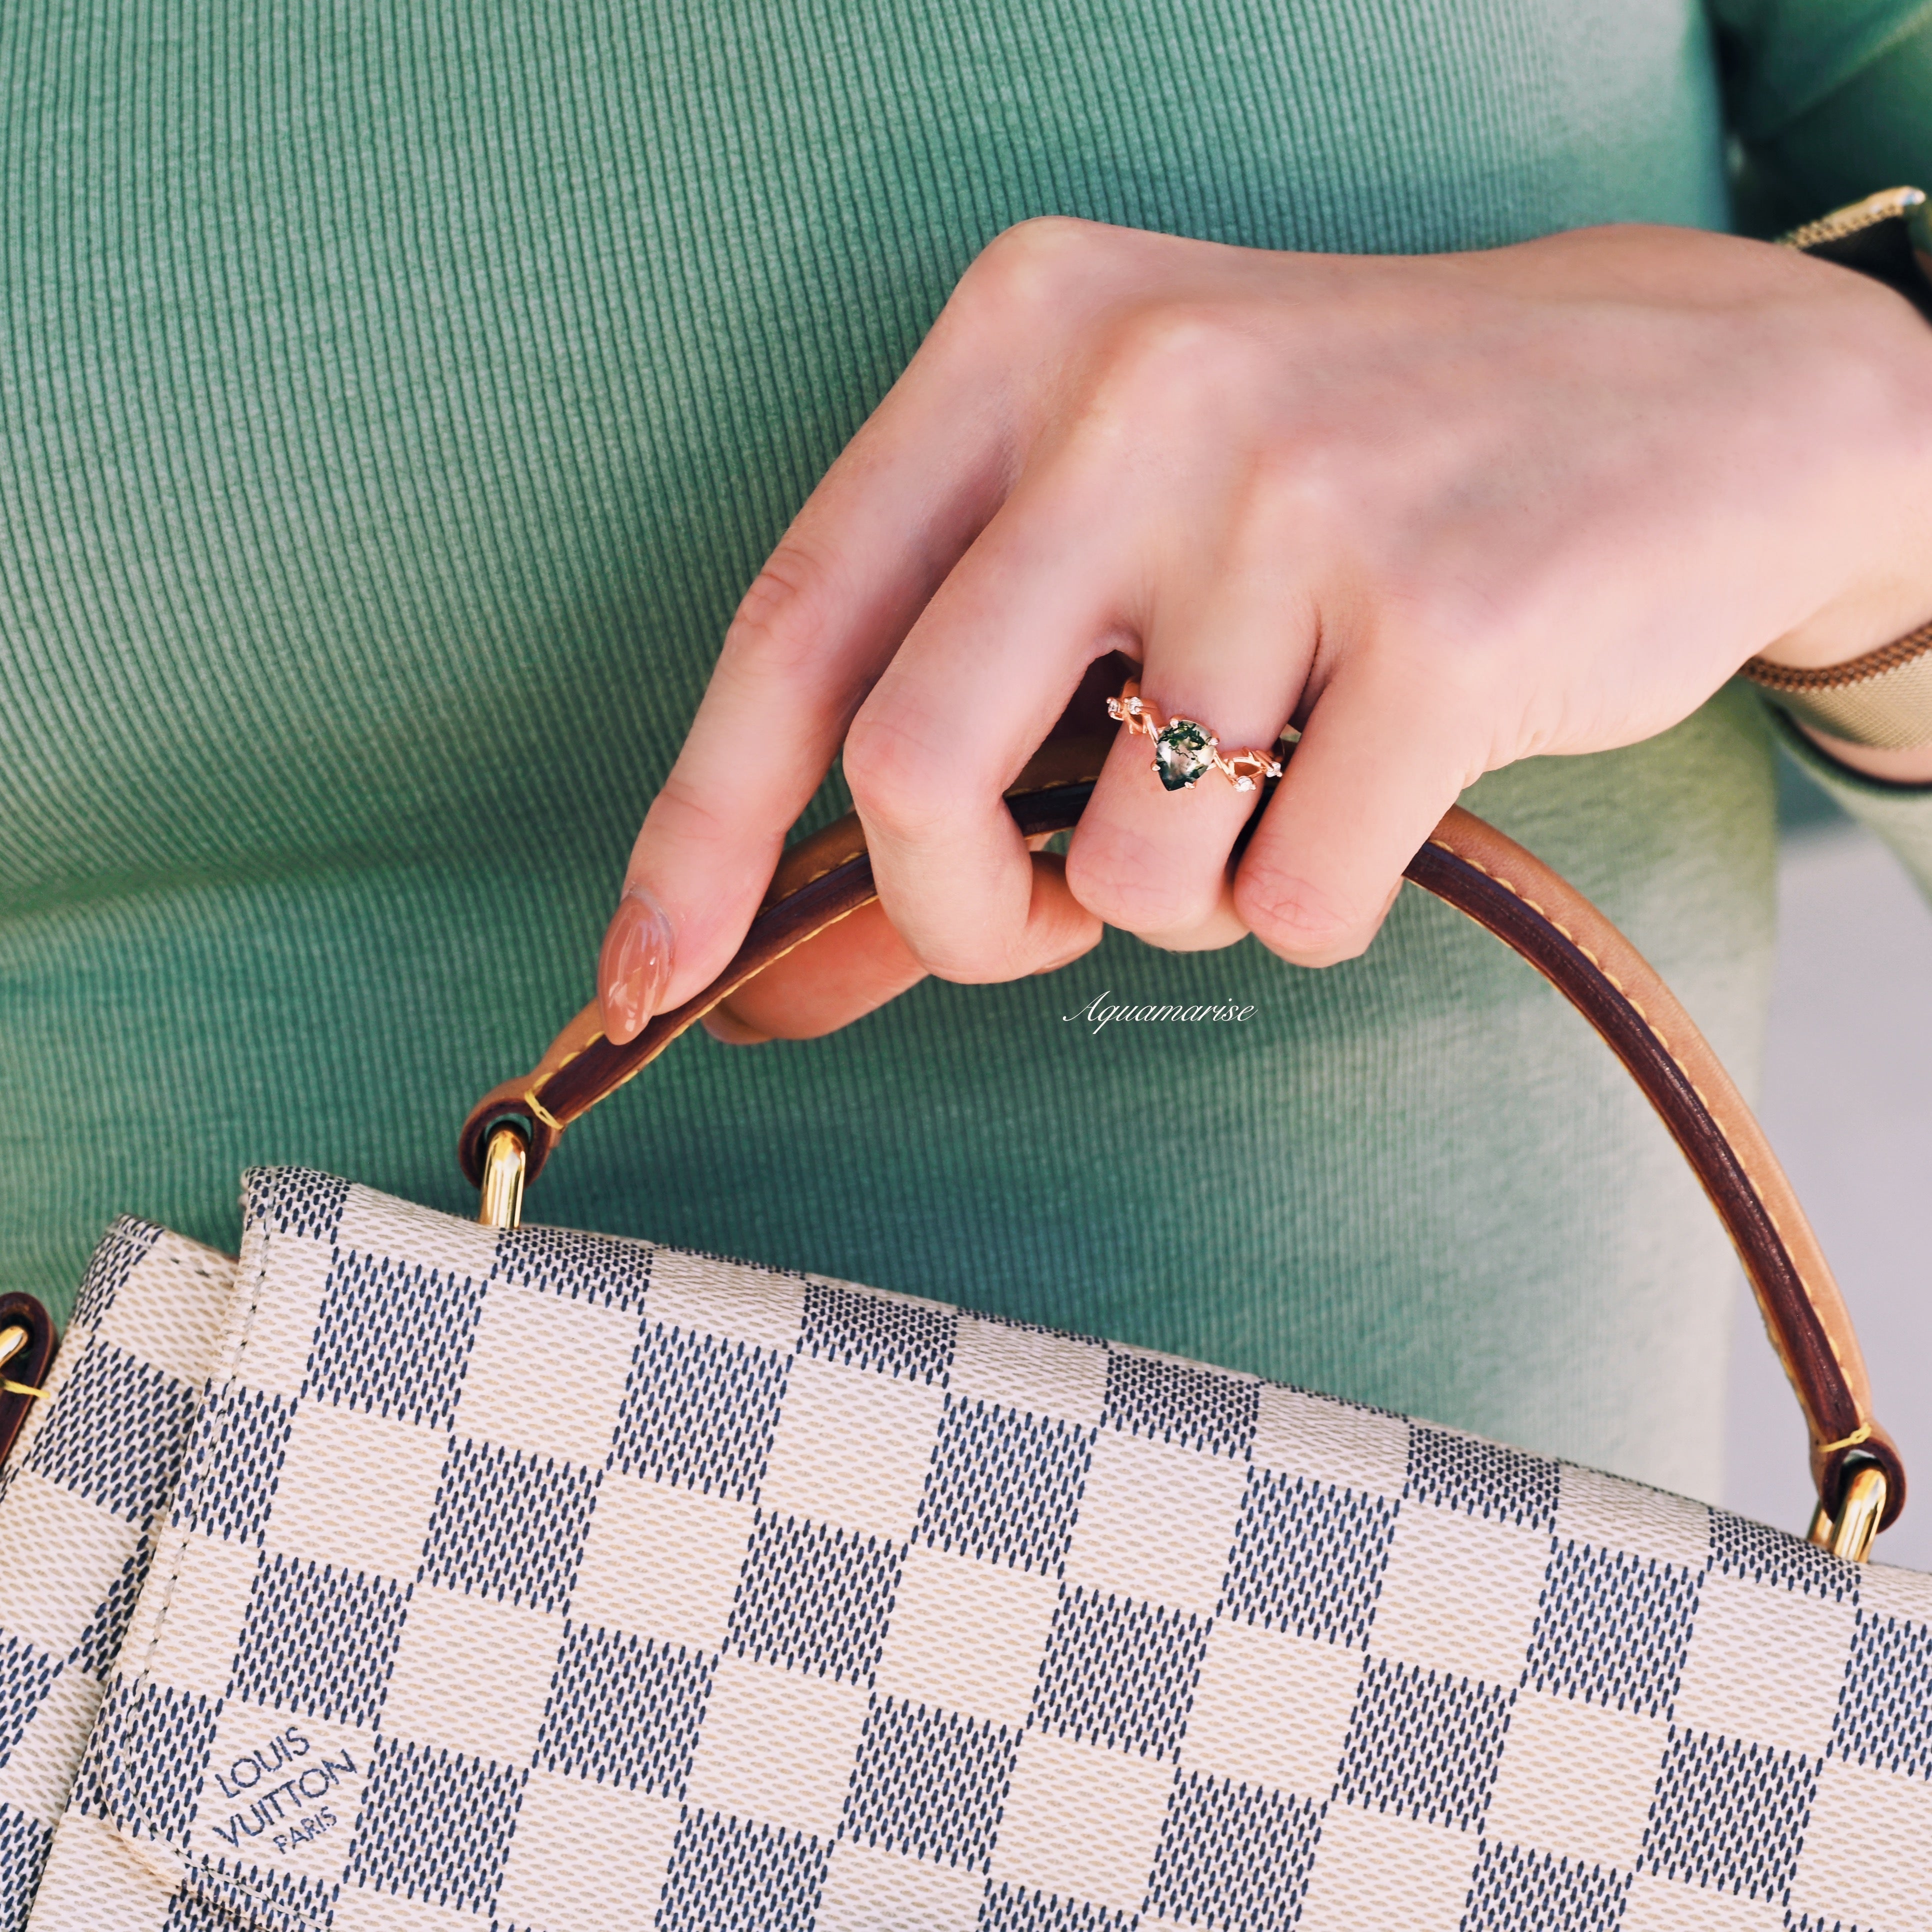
column 430, row 1575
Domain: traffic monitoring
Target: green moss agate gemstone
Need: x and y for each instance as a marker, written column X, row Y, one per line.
column 1182, row 753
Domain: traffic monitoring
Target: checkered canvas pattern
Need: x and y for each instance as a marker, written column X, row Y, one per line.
column 552, row 1583
column 93, row 1468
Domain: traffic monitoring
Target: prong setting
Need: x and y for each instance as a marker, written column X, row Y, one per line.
column 1185, row 750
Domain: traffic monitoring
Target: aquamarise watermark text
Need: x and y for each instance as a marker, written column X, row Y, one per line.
column 1103, row 1010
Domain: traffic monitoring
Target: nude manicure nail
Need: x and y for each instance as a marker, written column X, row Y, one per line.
column 633, row 966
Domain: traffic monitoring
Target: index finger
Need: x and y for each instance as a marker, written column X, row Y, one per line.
column 811, row 637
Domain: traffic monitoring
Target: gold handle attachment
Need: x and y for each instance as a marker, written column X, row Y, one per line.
column 504, row 1158
column 12, row 1339
column 1851, row 1536
column 505, row 1154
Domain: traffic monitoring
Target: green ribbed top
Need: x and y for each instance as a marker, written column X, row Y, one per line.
column 394, row 401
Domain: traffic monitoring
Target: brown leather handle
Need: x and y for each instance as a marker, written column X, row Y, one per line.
column 1469, row 866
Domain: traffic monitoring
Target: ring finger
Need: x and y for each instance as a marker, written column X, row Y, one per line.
column 1227, row 655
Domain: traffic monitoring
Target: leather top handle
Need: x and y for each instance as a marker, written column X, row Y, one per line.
column 1469, row 866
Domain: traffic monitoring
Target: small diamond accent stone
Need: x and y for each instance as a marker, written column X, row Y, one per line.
column 1182, row 753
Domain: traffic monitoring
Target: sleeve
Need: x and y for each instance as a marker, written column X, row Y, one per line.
column 1829, row 100
column 1901, row 814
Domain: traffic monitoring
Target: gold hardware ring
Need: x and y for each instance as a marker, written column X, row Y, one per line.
column 12, row 1339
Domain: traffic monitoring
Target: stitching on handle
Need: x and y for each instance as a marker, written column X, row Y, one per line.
column 1861, row 1434
column 1550, row 918
column 1657, row 1034
column 824, row 872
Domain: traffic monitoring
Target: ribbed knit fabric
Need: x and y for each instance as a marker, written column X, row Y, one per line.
column 1896, row 813
column 394, row 401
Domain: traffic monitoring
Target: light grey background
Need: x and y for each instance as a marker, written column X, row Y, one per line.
column 1848, row 1105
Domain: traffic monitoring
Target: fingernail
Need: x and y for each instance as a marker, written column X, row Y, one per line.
column 634, row 967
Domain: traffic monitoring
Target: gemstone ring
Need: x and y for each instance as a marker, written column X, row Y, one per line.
column 1184, row 750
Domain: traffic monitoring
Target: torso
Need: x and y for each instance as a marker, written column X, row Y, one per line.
column 390, row 417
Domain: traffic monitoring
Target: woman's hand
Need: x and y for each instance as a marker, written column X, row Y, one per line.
column 1441, row 512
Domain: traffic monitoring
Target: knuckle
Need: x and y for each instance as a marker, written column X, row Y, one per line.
column 1173, row 352
column 981, row 952
column 1130, row 884
column 1001, row 949
column 892, row 771
column 779, row 627
column 991, row 965
column 1028, row 265
column 696, row 833
column 684, row 814
column 1292, row 915
column 1306, row 481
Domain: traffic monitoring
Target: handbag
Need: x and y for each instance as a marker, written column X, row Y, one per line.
column 97, row 1440
column 555, row 1581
